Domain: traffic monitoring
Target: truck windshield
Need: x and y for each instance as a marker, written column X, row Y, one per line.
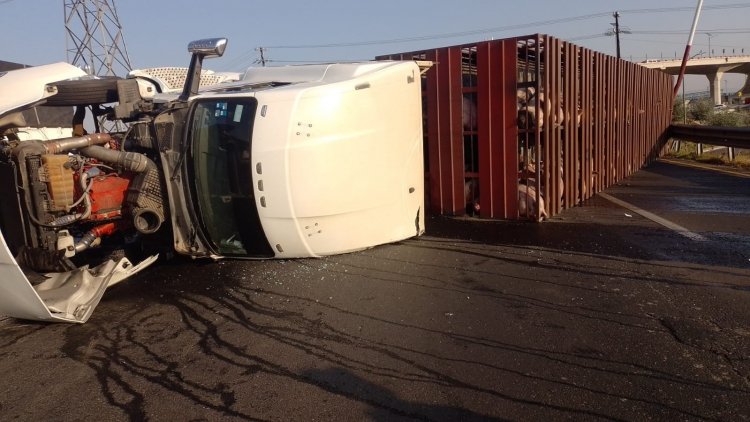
column 221, row 136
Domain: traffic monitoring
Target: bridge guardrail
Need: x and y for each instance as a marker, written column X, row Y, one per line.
column 737, row 137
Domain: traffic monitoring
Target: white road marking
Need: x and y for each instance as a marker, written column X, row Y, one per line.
column 655, row 218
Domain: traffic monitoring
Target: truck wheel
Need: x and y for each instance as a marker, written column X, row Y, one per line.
column 85, row 92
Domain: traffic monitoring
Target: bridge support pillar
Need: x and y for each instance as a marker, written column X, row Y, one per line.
column 714, row 80
column 745, row 90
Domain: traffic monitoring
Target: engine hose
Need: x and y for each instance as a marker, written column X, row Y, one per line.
column 57, row 146
column 86, row 190
column 92, row 235
column 130, row 161
column 85, row 242
column 146, row 201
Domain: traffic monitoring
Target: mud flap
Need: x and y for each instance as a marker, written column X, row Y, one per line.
column 63, row 297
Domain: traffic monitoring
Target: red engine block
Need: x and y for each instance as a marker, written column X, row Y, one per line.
column 107, row 196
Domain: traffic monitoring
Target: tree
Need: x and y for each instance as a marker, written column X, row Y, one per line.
column 701, row 109
column 729, row 119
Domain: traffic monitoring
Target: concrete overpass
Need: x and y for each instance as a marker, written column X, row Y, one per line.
column 713, row 68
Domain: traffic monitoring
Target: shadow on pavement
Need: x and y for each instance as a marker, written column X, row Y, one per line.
column 476, row 321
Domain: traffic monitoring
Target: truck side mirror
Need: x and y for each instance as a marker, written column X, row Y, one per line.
column 207, row 48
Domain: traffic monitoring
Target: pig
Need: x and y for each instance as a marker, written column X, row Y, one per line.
column 531, row 113
column 527, row 203
column 471, row 195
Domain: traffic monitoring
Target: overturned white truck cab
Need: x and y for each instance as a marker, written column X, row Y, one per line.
column 280, row 162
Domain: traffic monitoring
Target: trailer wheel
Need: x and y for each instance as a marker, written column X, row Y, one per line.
column 85, row 92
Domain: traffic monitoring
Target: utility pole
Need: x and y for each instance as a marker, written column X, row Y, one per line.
column 616, row 31
column 262, row 59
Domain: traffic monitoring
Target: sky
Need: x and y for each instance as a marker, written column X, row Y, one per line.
column 156, row 32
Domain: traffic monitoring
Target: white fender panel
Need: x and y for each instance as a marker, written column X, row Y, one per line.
column 64, row 297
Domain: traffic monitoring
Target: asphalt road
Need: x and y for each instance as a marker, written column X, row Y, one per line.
column 598, row 314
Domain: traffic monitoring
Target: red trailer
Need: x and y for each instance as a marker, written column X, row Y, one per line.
column 525, row 127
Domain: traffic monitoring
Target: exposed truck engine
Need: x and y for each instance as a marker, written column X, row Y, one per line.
column 75, row 194
column 288, row 162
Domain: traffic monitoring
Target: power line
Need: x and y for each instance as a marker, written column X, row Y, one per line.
column 245, row 54
column 587, row 37
column 507, row 28
column 703, row 31
column 243, row 57
column 446, row 35
column 691, row 8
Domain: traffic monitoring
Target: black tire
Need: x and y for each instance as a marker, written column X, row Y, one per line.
column 85, row 92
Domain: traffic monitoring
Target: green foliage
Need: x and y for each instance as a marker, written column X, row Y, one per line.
column 703, row 112
column 729, row 119
column 701, row 109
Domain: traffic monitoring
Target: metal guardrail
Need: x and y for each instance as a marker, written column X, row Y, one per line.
column 736, row 137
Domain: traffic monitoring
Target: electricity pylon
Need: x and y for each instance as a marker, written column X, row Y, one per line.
column 94, row 37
